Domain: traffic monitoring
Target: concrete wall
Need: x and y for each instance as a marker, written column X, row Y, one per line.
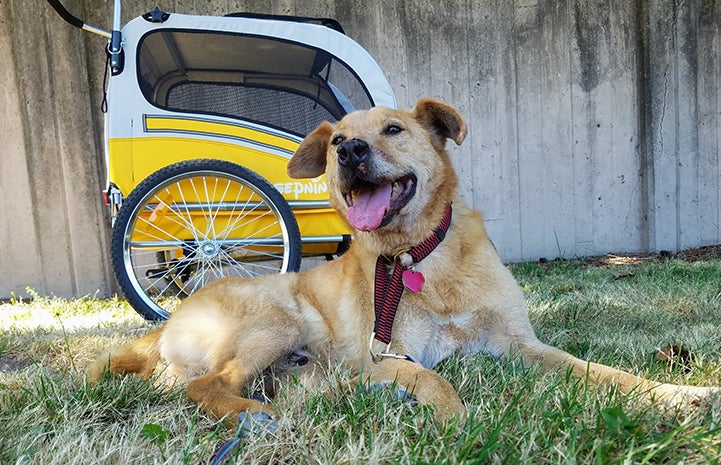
column 594, row 125
column 52, row 225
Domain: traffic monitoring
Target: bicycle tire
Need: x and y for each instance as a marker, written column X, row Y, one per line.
column 196, row 221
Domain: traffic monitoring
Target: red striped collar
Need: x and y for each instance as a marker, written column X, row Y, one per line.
column 389, row 288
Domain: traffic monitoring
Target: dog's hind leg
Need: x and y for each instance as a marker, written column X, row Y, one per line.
column 140, row 357
column 218, row 390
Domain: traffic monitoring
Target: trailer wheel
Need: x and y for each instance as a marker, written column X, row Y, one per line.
column 196, row 221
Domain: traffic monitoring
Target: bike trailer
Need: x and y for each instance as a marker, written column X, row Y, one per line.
column 203, row 114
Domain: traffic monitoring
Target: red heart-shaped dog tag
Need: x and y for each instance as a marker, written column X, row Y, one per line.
column 413, row 280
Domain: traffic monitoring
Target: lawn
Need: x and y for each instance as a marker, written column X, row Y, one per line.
column 631, row 313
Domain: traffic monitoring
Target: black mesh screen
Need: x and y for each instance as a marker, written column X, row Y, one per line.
column 293, row 112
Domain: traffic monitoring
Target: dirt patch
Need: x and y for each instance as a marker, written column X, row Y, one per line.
column 710, row 252
column 9, row 363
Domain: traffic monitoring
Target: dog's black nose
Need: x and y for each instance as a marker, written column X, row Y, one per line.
column 352, row 153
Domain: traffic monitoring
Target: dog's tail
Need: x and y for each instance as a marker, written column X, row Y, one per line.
column 139, row 357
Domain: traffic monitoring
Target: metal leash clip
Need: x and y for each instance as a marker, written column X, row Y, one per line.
column 379, row 356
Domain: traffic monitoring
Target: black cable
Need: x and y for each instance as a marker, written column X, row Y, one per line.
column 65, row 14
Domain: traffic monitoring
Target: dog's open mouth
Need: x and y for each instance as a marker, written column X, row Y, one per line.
column 371, row 206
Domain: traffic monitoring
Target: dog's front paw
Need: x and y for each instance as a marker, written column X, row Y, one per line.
column 255, row 423
column 397, row 391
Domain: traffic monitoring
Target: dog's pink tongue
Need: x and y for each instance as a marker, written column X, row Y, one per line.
column 369, row 207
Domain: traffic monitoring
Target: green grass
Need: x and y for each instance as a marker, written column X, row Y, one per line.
column 620, row 315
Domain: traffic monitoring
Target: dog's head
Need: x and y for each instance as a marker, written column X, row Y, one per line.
column 387, row 170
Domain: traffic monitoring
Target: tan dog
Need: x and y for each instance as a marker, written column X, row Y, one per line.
column 389, row 175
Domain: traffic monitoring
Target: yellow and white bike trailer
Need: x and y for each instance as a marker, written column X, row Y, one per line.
column 203, row 114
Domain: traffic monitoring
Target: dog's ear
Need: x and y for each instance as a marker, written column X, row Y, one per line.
column 442, row 121
column 309, row 159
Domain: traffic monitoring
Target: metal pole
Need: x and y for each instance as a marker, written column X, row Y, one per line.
column 116, row 40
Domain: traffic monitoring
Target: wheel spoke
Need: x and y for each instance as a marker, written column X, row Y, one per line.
column 190, row 225
column 169, row 272
column 243, row 215
column 244, row 265
column 185, row 224
column 217, row 210
column 238, row 266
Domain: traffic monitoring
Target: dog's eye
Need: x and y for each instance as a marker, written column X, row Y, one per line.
column 337, row 140
column 393, row 129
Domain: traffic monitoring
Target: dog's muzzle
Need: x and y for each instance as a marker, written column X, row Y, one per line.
column 372, row 201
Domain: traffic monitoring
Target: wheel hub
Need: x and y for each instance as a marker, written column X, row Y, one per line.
column 208, row 249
